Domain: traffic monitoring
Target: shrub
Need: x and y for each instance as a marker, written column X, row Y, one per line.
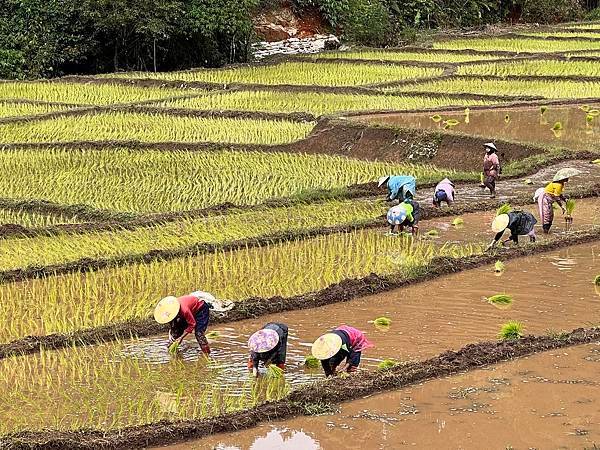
column 550, row 11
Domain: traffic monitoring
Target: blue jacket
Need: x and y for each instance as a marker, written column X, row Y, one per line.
column 399, row 185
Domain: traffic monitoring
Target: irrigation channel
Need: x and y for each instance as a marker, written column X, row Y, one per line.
column 134, row 381
column 548, row 400
column 560, row 125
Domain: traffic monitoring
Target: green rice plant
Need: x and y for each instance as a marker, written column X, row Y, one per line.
column 296, row 73
column 30, row 219
column 212, row 335
column 436, row 118
column 274, row 372
column 593, row 112
column 387, row 364
column 534, row 67
column 499, row 266
column 123, row 126
column 557, row 33
column 597, row 280
column 488, row 44
column 552, row 89
column 585, row 25
column 458, row 222
column 174, row 347
column 383, row 321
column 118, row 294
column 557, row 126
column 570, row 206
column 504, row 209
column 82, row 93
column 511, row 330
column 16, row 109
column 381, row 55
column 311, row 362
column 317, row 103
column 433, row 233
column 500, row 300
column 156, row 181
column 543, row 109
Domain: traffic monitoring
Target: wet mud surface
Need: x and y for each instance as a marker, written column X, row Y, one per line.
column 542, row 401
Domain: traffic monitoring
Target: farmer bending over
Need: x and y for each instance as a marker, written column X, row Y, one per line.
column 399, row 187
column 342, row 343
column 186, row 314
column 444, row 192
column 518, row 222
column 406, row 214
column 268, row 345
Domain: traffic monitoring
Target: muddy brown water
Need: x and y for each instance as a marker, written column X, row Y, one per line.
column 549, row 400
column 523, row 124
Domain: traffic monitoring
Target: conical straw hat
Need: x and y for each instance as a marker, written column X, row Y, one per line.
column 565, row 173
column 326, row 346
column 382, row 180
column 166, row 310
column 263, row 341
column 500, row 223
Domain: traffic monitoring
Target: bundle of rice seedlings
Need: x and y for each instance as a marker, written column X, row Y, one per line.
column 589, row 118
column 383, row 321
column 212, row 334
column 436, row 118
column 507, row 118
column 596, row 161
column 458, row 221
column 481, row 178
column 433, row 233
column 451, row 122
column 597, row 280
column 543, row 109
column 511, row 330
column 528, row 181
column 311, row 362
column 504, row 209
column 557, row 126
column 274, row 372
column 593, row 112
column 500, row 300
column 387, row 364
column 570, row 206
column 585, row 108
column 499, row 266
column 173, row 347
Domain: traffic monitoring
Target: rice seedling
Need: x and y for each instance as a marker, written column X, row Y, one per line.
column 585, row 25
column 506, row 118
column 383, row 321
column 296, row 73
column 596, row 161
column 557, row 126
column 82, row 94
column 155, row 181
column 516, row 45
column 511, row 330
column 433, row 233
column 501, row 301
column 311, row 362
column 123, row 126
column 130, row 292
column 317, row 103
column 212, row 335
column 274, row 372
column 458, row 222
column 593, row 112
column 543, row 109
column 436, row 118
column 570, row 206
column 504, row 209
column 32, row 219
column 499, row 266
column 534, row 67
column 174, row 347
column 16, row 109
column 387, row 364
column 597, row 280
column 450, row 123
column 380, row 55
column 556, row 33
column 552, row 89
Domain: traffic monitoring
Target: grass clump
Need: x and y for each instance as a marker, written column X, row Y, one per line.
column 387, row 364
column 511, row 330
column 504, row 209
column 499, row 267
column 383, row 321
column 311, row 362
column 500, row 300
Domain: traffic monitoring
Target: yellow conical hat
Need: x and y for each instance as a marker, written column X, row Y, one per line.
column 500, row 223
column 166, row 310
column 326, row 346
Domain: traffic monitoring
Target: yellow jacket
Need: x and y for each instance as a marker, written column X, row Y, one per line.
column 555, row 189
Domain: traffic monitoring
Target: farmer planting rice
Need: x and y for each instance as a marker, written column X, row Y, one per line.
column 553, row 193
column 400, row 187
column 491, row 168
column 406, row 214
column 186, row 314
column 518, row 222
column 269, row 346
column 444, row 192
column 342, row 343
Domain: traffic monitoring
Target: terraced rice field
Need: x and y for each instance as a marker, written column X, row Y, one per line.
column 399, row 55
column 518, row 45
column 15, row 109
column 537, row 67
column 297, row 73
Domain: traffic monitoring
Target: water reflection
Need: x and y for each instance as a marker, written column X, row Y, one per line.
column 279, row 439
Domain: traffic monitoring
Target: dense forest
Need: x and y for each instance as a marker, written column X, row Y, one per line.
column 48, row 38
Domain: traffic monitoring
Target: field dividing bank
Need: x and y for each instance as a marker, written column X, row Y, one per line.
column 294, row 73
column 517, row 44
column 114, row 290
column 547, row 87
column 155, row 181
column 305, row 400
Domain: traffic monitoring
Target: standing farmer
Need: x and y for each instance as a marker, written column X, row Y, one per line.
column 491, row 168
column 342, row 343
column 400, row 187
column 444, row 192
column 553, row 192
column 518, row 222
column 186, row 314
column 268, row 345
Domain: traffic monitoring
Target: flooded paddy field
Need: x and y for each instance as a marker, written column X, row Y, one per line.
column 549, row 400
column 136, row 381
column 571, row 126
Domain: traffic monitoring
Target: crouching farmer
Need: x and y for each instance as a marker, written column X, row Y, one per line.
column 343, row 343
column 518, row 222
column 269, row 346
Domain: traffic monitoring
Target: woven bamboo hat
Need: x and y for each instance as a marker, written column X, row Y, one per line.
column 167, row 309
column 263, row 341
column 565, row 173
column 326, row 346
column 382, row 180
column 500, row 223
